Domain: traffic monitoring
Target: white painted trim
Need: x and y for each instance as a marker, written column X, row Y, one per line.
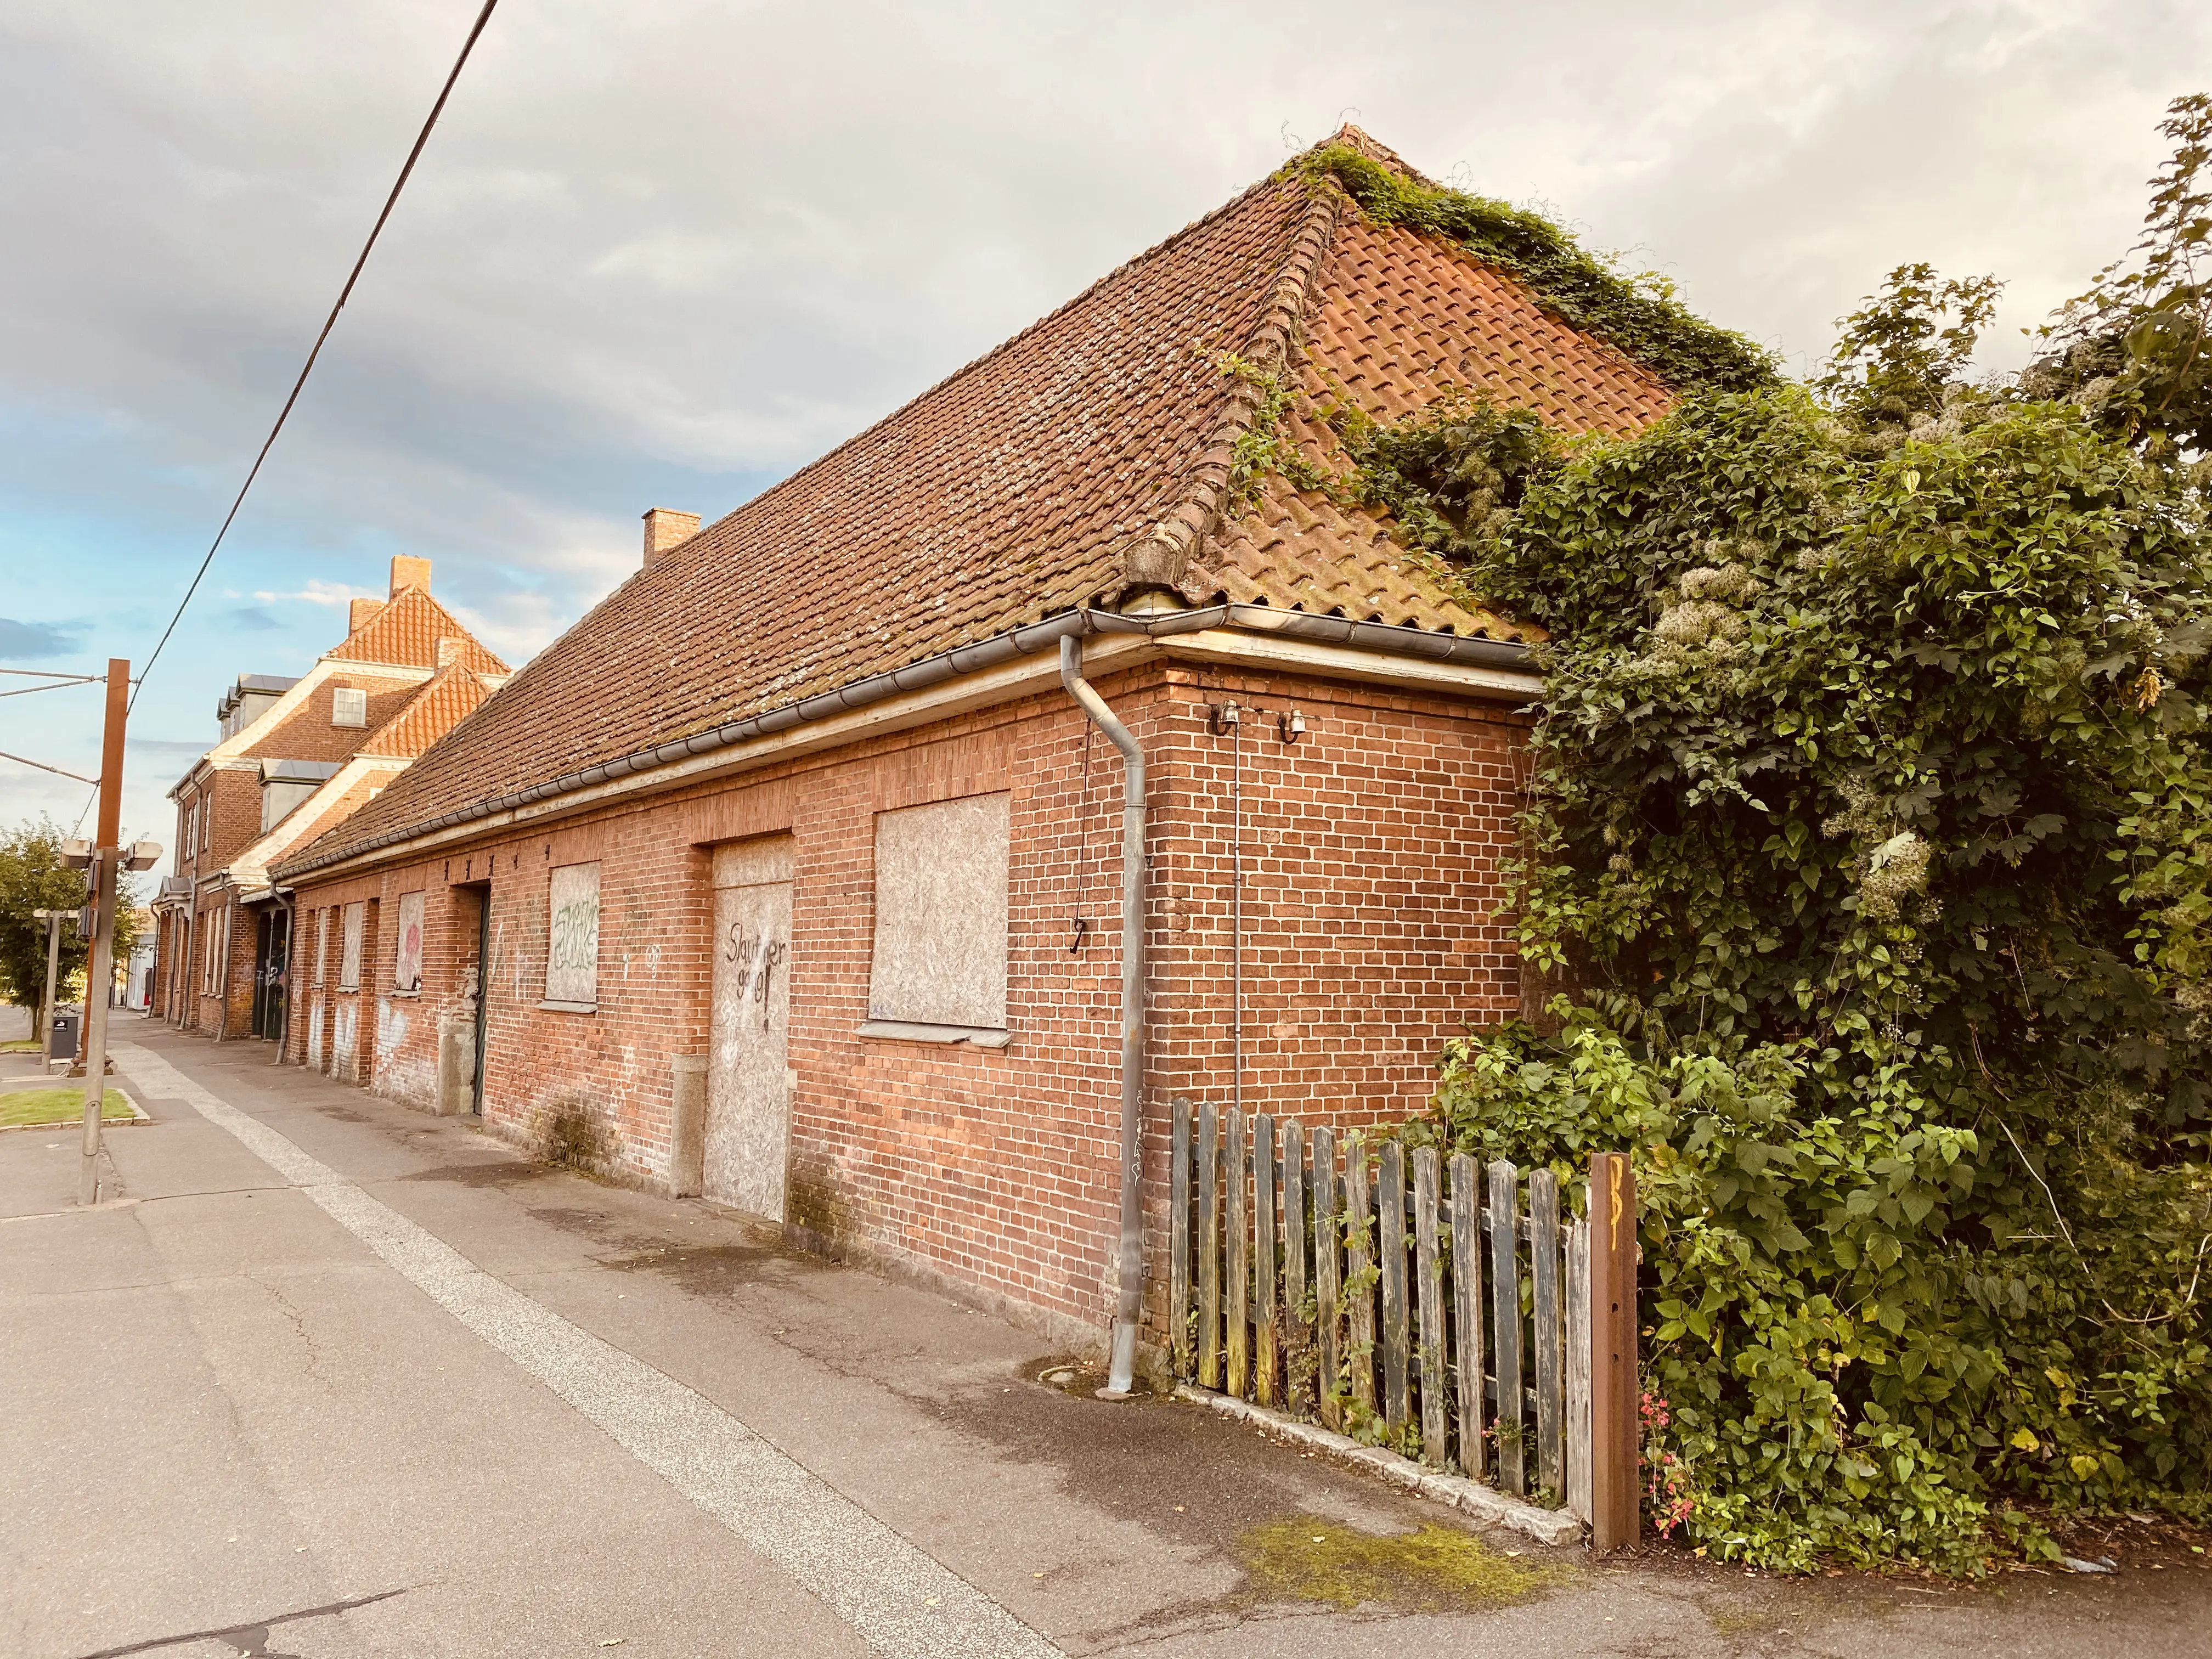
column 251, row 865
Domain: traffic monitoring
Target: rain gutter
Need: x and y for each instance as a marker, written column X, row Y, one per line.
column 1382, row 638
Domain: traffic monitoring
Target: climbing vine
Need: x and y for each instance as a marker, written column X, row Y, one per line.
column 1869, row 851
column 1639, row 315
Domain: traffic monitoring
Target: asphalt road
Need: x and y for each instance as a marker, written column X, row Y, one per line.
column 325, row 1376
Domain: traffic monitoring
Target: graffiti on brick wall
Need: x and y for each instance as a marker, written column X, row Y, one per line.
column 349, row 949
column 572, row 956
column 407, row 966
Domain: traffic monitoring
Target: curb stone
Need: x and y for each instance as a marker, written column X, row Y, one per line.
column 1553, row 1526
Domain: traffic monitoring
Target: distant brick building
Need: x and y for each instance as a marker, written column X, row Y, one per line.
column 296, row 756
column 793, row 874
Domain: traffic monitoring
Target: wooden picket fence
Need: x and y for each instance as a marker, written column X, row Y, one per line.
column 1445, row 1304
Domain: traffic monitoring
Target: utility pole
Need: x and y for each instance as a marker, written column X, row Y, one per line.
column 53, row 919
column 99, row 972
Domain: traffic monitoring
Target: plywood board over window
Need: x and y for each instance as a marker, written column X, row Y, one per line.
column 322, row 944
column 939, row 969
column 351, row 921
column 572, row 954
column 407, row 964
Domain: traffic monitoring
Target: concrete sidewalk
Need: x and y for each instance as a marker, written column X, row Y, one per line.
column 326, row 1376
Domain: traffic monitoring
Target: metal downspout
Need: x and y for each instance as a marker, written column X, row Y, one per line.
column 1129, row 1311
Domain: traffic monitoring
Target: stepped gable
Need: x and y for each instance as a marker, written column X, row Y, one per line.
column 405, row 634
column 1088, row 455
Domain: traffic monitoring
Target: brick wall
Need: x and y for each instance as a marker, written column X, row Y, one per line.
column 306, row 733
column 1369, row 934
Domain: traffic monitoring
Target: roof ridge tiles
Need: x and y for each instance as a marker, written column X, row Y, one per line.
column 1176, row 534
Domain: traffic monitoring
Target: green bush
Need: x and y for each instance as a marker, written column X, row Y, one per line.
column 1869, row 842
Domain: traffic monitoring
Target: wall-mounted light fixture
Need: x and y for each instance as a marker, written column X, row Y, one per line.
column 1227, row 717
column 1292, row 726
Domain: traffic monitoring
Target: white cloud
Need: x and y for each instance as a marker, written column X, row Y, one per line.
column 336, row 595
column 664, row 251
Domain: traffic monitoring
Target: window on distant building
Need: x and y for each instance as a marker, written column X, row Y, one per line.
column 349, row 705
column 940, row 956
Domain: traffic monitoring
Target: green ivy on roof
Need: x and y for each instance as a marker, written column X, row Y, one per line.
column 1642, row 320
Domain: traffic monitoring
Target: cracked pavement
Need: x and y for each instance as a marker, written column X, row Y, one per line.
column 235, row 1428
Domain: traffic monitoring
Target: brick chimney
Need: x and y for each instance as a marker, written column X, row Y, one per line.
column 449, row 650
column 408, row 573
column 664, row 530
column 360, row 613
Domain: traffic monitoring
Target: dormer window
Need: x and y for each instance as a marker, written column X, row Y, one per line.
column 349, row 705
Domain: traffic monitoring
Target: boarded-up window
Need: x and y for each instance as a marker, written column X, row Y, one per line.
column 407, row 965
column 349, row 946
column 322, row 946
column 941, row 954
column 572, row 946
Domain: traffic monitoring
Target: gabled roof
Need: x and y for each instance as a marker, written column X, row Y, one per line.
column 405, row 634
column 1088, row 455
column 443, row 703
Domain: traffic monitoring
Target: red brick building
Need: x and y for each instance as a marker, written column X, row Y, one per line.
column 794, row 872
column 295, row 757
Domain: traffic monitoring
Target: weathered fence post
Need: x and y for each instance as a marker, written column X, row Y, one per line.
column 1179, row 1239
column 1467, row 1305
column 1547, row 1329
column 1209, row 1247
column 1428, row 1291
column 1505, row 1326
column 1263, row 1260
column 1295, row 1238
column 1328, row 1262
column 1390, row 1249
column 1578, row 1369
column 1358, row 1247
column 1614, row 1428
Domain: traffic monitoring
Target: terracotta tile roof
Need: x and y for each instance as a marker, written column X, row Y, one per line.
column 406, row 632
column 451, row 695
column 1085, row 456
column 1397, row 321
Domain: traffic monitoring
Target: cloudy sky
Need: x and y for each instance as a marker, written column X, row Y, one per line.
column 661, row 252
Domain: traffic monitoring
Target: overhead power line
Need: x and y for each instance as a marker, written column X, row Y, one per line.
column 22, row 760
column 331, row 322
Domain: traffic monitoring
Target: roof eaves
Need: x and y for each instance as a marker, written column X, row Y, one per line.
column 1382, row 638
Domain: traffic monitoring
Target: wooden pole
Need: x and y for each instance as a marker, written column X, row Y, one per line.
column 1614, row 1426
column 99, row 972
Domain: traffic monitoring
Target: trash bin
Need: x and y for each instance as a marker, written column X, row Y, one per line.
column 68, row 1028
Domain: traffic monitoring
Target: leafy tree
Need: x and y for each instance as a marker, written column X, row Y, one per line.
column 33, row 877
column 1870, row 839
column 2136, row 349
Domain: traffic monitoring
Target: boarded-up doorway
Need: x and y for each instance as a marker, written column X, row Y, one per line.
column 748, row 1079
